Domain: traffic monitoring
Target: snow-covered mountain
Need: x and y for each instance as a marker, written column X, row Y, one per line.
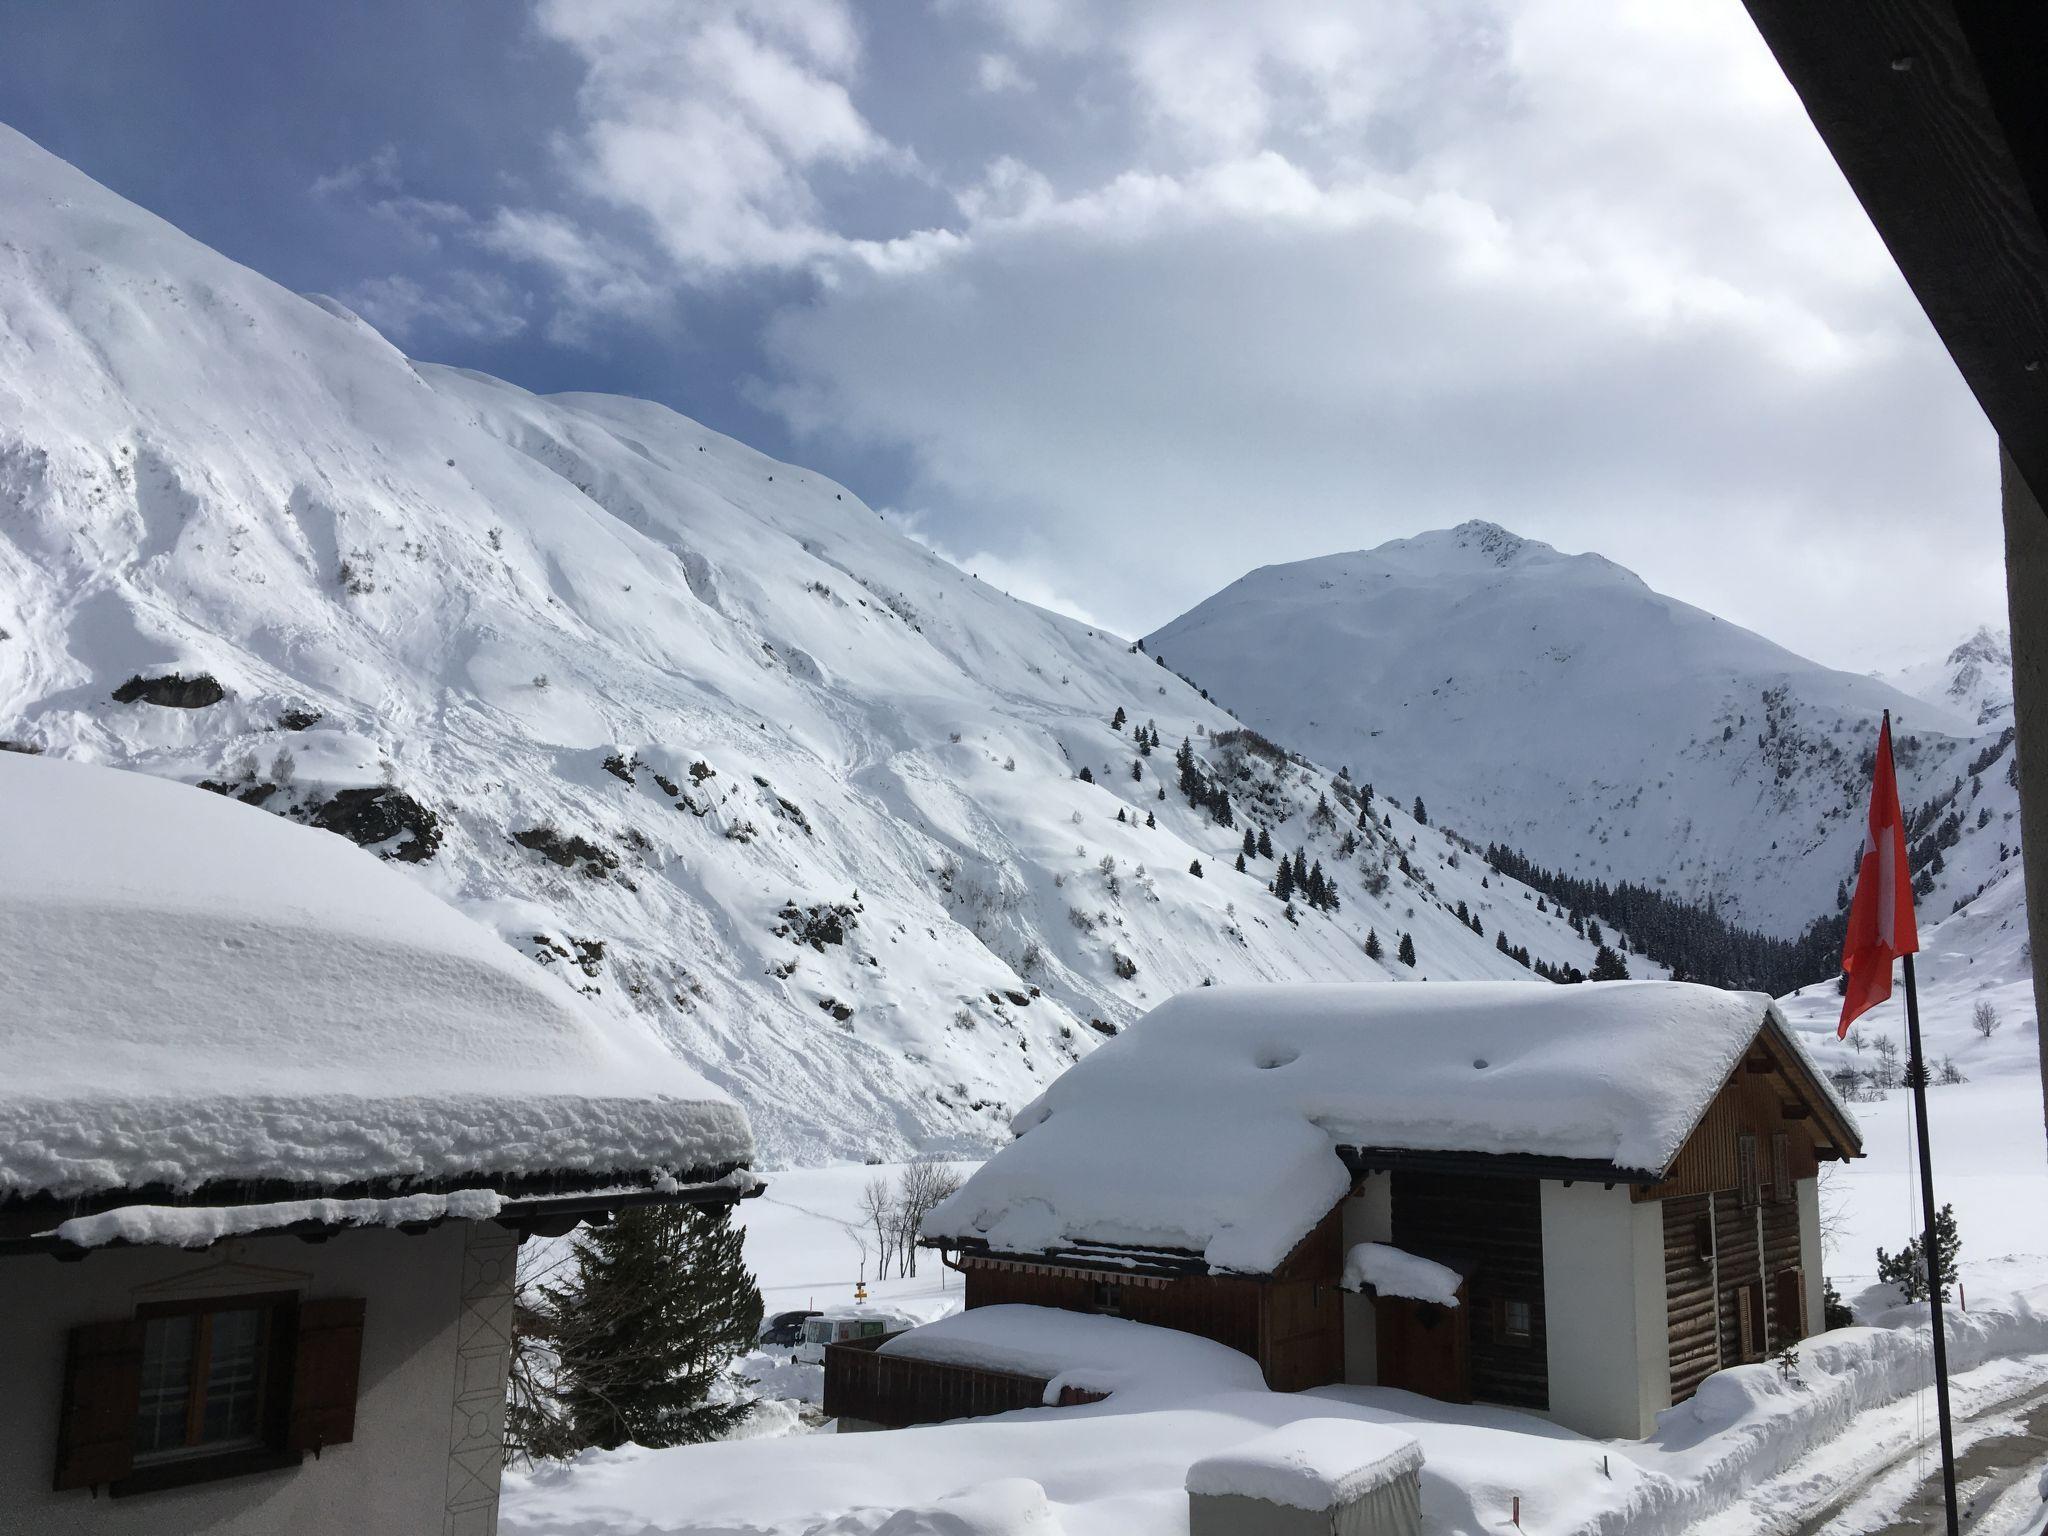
column 1974, row 679
column 692, row 725
column 1557, row 704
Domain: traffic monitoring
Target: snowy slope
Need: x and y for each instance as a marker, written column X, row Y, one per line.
column 1974, row 679
column 1560, row 706
column 842, row 860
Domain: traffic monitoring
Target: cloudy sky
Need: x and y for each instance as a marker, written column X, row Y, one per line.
column 1114, row 301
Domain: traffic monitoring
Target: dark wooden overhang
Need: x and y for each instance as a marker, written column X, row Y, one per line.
column 1493, row 1165
column 545, row 1204
column 1106, row 1261
column 1937, row 113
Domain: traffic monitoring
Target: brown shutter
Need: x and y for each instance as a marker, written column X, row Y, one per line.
column 1791, row 1304
column 1781, row 1165
column 324, row 1372
column 102, row 1395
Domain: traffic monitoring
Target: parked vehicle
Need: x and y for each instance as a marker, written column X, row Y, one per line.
column 843, row 1323
column 785, row 1330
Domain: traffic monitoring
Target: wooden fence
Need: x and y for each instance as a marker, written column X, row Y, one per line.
column 899, row 1390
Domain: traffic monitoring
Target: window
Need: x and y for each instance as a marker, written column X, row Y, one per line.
column 211, row 1380
column 1516, row 1320
column 189, row 1391
column 1109, row 1298
column 1748, row 1175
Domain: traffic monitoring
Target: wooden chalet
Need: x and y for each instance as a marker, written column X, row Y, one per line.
column 1596, row 1289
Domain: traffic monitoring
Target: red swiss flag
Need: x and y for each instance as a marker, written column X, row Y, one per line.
column 1881, row 926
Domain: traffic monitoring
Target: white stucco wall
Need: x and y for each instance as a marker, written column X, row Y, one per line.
column 432, row 1357
column 1368, row 1217
column 1808, row 1191
column 1604, row 1309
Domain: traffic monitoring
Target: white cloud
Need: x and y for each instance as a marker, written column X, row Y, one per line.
column 706, row 116
column 996, row 73
column 474, row 306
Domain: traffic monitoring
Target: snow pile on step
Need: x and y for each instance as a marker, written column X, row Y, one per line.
column 1309, row 1464
column 1212, row 1125
column 1391, row 1271
column 196, row 990
column 1081, row 1350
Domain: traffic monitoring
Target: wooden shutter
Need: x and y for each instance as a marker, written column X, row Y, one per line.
column 102, row 1395
column 1746, row 1322
column 1747, row 1173
column 325, row 1368
column 1789, row 1311
column 1781, row 1165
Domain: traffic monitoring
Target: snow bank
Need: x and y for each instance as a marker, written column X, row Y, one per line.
column 1310, row 1464
column 1082, row 1350
column 183, row 1226
column 1220, row 1112
column 1011, row 1506
column 1750, row 1423
column 198, row 990
column 1391, row 1271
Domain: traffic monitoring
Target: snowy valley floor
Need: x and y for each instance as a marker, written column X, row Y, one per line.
column 1836, row 1454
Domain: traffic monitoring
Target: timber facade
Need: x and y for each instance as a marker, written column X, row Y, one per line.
column 1594, row 1294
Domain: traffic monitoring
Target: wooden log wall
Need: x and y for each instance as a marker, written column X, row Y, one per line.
column 1491, row 1231
column 1689, row 1293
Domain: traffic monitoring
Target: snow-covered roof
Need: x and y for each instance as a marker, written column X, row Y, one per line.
column 1312, row 1464
column 195, row 990
column 1211, row 1125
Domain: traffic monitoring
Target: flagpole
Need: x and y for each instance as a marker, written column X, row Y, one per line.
column 1916, row 1076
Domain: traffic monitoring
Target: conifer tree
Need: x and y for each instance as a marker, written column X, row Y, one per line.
column 1150, row 820
column 1406, row 953
column 1116, row 722
column 1265, row 844
column 1608, row 966
column 1500, row 941
column 1086, row 776
column 1120, row 813
column 1195, row 868
column 1593, row 932
column 660, row 1303
column 1372, row 944
column 1251, row 845
column 1420, row 813
column 1283, row 881
column 1240, row 863
column 1137, row 771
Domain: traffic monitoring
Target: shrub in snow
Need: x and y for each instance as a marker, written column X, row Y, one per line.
column 1907, row 1269
column 1984, row 1019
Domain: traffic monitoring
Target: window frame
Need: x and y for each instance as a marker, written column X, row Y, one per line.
column 277, row 1350
column 1509, row 1333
